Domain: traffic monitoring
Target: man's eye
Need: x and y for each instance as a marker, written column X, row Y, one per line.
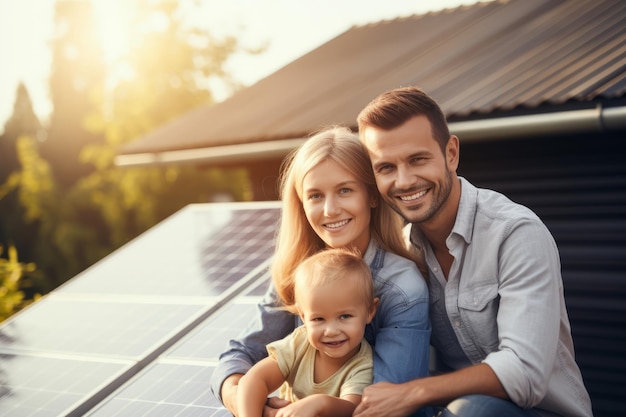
column 417, row 159
column 384, row 168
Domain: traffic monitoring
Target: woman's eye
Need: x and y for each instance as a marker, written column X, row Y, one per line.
column 345, row 190
column 315, row 196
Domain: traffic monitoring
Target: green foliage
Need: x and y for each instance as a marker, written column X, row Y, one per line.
column 74, row 205
column 11, row 272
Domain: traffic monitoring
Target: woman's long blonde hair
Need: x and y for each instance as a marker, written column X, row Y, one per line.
column 296, row 240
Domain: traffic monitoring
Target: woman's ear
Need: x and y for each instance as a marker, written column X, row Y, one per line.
column 374, row 198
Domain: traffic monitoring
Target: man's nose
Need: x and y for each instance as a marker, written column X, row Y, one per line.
column 405, row 178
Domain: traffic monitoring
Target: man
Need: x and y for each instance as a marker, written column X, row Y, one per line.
column 499, row 324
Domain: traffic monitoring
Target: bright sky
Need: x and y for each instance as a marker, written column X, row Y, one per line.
column 291, row 28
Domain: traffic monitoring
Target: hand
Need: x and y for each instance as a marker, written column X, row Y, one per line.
column 385, row 399
column 273, row 405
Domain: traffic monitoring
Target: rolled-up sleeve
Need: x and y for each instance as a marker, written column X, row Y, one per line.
column 528, row 317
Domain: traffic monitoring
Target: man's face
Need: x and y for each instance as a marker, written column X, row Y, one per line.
column 412, row 174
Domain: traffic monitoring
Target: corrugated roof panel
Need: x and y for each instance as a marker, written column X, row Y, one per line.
column 573, row 61
column 528, row 72
column 491, row 57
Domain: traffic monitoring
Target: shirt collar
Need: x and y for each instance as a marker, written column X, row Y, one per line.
column 466, row 213
column 464, row 223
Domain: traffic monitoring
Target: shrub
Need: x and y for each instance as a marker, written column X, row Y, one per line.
column 11, row 273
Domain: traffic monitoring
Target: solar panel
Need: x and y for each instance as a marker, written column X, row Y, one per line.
column 48, row 385
column 177, row 383
column 165, row 389
column 139, row 332
column 94, row 327
column 200, row 251
column 209, row 339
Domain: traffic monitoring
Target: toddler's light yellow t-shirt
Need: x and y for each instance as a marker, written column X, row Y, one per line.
column 296, row 360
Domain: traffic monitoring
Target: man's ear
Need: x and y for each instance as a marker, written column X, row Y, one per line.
column 453, row 153
column 373, row 310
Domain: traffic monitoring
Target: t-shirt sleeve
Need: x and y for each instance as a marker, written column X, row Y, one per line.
column 288, row 350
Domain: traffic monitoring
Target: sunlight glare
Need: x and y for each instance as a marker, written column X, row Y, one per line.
column 113, row 20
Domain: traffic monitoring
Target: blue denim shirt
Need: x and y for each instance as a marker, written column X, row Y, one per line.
column 503, row 304
column 399, row 333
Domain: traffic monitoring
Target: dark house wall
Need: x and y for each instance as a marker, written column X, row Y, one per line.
column 577, row 185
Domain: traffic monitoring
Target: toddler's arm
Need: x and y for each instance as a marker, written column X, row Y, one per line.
column 254, row 387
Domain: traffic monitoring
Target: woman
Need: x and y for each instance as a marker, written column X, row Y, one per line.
column 330, row 199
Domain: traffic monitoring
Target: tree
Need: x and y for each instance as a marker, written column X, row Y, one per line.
column 23, row 121
column 15, row 231
column 78, row 205
column 77, row 78
column 168, row 69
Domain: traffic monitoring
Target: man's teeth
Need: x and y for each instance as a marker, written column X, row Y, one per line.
column 413, row 196
column 336, row 225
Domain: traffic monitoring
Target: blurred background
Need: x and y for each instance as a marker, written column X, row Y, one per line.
column 79, row 79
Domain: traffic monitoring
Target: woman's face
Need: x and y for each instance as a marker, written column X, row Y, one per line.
column 337, row 206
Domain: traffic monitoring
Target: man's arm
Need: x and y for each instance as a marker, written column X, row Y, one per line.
column 385, row 399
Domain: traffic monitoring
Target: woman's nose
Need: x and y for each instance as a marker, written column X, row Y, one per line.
column 331, row 208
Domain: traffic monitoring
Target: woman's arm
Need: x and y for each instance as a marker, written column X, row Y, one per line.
column 254, row 387
column 401, row 339
column 271, row 323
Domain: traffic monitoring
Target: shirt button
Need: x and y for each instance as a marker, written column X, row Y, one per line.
column 457, row 323
column 435, row 269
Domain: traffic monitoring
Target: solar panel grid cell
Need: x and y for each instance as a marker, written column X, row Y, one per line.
column 51, row 386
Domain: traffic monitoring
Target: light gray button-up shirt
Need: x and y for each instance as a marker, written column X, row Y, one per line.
column 503, row 303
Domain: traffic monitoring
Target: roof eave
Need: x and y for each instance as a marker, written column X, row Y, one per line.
column 597, row 119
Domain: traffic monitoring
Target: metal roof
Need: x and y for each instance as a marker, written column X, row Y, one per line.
column 498, row 58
